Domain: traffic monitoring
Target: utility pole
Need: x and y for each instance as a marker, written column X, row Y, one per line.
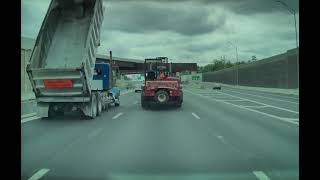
column 293, row 12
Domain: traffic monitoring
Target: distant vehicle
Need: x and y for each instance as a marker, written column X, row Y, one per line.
column 159, row 88
column 217, row 86
column 138, row 87
column 63, row 70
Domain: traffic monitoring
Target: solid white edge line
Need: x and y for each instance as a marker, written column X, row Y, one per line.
column 266, row 114
column 261, row 175
column 116, row 116
column 195, row 115
column 274, row 94
column 39, row 174
column 276, row 107
column 255, row 106
column 262, row 97
column 230, row 100
column 270, row 115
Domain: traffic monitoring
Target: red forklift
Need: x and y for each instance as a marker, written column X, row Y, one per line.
column 160, row 86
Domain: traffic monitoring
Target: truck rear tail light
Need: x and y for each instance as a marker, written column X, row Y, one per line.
column 148, row 93
column 174, row 93
column 57, row 83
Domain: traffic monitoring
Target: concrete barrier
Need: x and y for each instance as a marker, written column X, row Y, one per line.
column 279, row 71
column 210, row 85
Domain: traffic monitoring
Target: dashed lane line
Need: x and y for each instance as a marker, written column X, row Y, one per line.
column 195, row 115
column 39, row 174
column 261, row 175
column 118, row 115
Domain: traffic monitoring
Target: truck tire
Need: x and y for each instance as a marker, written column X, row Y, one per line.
column 117, row 103
column 52, row 113
column 162, row 96
column 99, row 105
column 93, row 106
column 104, row 107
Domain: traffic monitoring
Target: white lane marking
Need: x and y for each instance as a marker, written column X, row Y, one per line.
column 39, row 174
column 230, row 100
column 261, row 175
column 126, row 92
column 276, row 107
column 195, row 115
column 136, row 102
column 275, row 95
column 222, row 139
column 116, row 116
column 95, row 133
column 29, row 119
column 290, row 120
column 264, row 97
column 255, row 106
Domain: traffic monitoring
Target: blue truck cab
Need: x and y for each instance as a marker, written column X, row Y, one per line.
column 102, row 81
column 101, row 77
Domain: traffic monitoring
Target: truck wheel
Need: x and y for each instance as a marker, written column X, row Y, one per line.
column 117, row 103
column 104, row 107
column 93, row 106
column 52, row 113
column 162, row 96
column 99, row 105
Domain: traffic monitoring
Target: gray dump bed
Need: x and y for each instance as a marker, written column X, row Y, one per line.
column 66, row 47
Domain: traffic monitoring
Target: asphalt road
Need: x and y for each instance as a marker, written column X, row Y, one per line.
column 225, row 134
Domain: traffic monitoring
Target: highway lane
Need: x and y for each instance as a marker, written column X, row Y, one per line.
column 268, row 103
column 204, row 139
column 282, row 100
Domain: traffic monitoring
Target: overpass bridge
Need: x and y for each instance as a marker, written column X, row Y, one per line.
column 135, row 66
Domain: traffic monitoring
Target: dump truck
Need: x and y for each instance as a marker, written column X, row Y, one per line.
column 160, row 86
column 62, row 68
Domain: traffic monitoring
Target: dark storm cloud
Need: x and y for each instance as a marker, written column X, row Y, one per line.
column 198, row 48
column 146, row 17
column 236, row 6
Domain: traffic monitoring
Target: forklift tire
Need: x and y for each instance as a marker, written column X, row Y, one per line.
column 144, row 105
column 162, row 97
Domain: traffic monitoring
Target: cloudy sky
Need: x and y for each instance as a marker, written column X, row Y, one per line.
column 186, row 30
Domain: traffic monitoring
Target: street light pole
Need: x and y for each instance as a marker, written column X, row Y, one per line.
column 237, row 67
column 297, row 45
column 293, row 12
column 237, row 62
